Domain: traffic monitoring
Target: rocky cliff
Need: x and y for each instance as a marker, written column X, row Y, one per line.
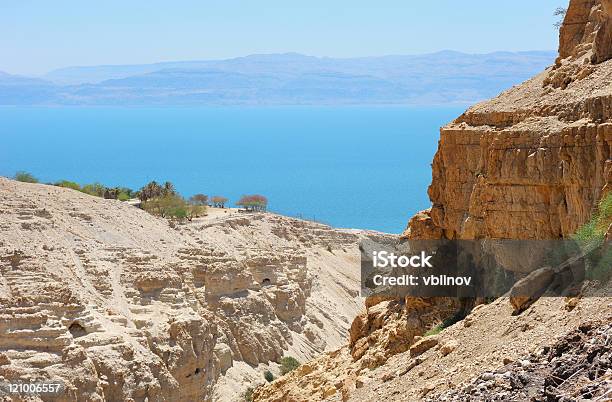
column 533, row 162
column 530, row 164
column 119, row 305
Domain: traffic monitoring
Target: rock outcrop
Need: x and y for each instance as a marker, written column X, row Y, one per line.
column 533, row 162
column 490, row 338
column 530, row 164
column 118, row 305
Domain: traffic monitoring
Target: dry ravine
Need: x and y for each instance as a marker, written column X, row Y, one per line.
column 120, row 305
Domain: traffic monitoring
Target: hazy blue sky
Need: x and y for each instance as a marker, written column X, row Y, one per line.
column 40, row 35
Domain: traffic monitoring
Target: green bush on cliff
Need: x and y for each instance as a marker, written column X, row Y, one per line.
column 434, row 331
column 458, row 316
column 605, row 211
column 288, row 364
column 596, row 228
column 248, row 394
column 590, row 238
column 268, row 376
column 25, row 177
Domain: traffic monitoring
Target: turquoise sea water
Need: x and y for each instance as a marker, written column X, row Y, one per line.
column 356, row 167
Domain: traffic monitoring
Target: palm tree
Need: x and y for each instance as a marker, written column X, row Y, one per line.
column 169, row 188
column 151, row 190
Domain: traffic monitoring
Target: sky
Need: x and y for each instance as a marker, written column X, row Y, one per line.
column 37, row 36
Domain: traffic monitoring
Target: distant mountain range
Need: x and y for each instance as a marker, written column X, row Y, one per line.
column 276, row 79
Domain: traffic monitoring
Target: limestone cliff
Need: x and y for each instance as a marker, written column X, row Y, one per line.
column 529, row 164
column 119, row 305
column 533, row 162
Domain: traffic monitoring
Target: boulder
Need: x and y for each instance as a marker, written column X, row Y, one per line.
column 423, row 345
column 448, row 347
column 530, row 288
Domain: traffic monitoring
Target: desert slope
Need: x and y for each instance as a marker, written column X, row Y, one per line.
column 120, row 305
column 531, row 163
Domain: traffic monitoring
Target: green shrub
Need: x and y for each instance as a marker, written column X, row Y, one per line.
column 595, row 229
column 248, row 394
column 434, row 331
column 96, row 189
column 178, row 212
column 458, row 316
column 68, row 184
column 288, row 364
column 195, row 211
column 25, row 177
column 100, row 190
column 590, row 238
column 167, row 206
column 127, row 191
column 269, row 376
column 605, row 211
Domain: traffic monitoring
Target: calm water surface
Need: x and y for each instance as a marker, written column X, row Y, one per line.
column 357, row 167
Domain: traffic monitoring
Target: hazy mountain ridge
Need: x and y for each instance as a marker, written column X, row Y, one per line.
column 443, row 77
column 20, row 90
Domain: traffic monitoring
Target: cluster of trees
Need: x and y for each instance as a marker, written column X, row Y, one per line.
column 155, row 190
column 255, row 203
column 158, row 199
column 218, row 201
column 163, row 200
column 95, row 189
column 173, row 206
column 199, row 199
column 99, row 190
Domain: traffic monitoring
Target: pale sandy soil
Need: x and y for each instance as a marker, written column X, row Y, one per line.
column 214, row 214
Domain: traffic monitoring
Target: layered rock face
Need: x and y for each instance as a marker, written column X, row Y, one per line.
column 529, row 164
column 119, row 305
column 533, row 162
